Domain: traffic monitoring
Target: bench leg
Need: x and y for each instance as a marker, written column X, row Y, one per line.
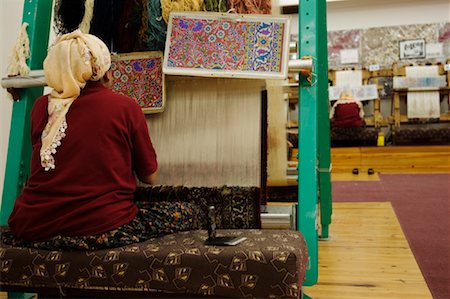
column 304, row 296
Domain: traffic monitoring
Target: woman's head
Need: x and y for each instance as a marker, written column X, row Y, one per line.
column 346, row 94
column 74, row 59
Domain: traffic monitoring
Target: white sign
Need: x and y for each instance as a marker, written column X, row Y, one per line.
column 412, row 49
column 435, row 50
column 374, row 67
column 349, row 56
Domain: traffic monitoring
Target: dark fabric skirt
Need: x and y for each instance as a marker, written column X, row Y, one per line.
column 154, row 219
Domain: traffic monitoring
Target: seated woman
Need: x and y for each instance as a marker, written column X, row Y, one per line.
column 347, row 112
column 88, row 146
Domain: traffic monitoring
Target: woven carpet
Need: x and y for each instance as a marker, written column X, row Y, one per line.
column 422, row 205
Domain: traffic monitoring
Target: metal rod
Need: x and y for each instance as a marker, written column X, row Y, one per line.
column 23, row 81
column 300, row 65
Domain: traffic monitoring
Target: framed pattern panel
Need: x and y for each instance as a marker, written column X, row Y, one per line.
column 139, row 76
column 227, row 45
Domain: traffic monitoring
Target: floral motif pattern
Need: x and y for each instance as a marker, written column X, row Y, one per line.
column 226, row 44
column 141, row 79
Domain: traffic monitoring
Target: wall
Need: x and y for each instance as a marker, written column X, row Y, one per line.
column 10, row 20
column 361, row 14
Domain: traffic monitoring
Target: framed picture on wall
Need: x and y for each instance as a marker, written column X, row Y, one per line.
column 139, row 76
column 227, row 45
column 412, row 49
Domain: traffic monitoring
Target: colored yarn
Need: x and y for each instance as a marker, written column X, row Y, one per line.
column 215, row 5
column 128, row 26
column 68, row 15
column 85, row 24
column 168, row 6
column 141, row 42
column 104, row 20
column 18, row 61
column 157, row 28
column 251, row 6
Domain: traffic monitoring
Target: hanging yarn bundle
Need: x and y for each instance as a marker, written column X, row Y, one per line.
column 85, row 24
column 157, row 28
column 168, row 6
column 129, row 22
column 215, row 5
column 251, row 6
column 142, row 36
column 68, row 15
column 103, row 21
column 21, row 51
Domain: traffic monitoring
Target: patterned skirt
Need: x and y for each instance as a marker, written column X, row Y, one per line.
column 153, row 220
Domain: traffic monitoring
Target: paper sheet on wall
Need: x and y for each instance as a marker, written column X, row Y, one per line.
column 348, row 78
column 349, row 56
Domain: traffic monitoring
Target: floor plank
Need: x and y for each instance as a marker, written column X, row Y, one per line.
column 367, row 256
column 354, row 177
column 392, row 159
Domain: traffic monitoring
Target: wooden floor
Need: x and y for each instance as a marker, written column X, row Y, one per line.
column 354, row 177
column 392, row 159
column 367, row 256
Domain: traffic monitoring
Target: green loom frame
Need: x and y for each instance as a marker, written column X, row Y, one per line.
column 314, row 179
column 314, row 186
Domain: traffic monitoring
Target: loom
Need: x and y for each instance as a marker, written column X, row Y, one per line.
column 314, row 174
column 423, row 88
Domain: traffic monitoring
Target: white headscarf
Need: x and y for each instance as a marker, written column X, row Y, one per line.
column 72, row 60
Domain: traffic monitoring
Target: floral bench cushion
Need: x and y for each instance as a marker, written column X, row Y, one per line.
column 269, row 263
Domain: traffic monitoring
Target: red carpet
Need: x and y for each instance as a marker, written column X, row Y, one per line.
column 422, row 205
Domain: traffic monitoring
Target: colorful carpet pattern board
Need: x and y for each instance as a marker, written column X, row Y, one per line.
column 139, row 76
column 227, row 45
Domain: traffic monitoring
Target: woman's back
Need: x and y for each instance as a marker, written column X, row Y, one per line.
column 91, row 189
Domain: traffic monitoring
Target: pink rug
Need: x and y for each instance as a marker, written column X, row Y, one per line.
column 421, row 202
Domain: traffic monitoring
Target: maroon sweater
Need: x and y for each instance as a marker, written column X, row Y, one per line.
column 91, row 189
column 347, row 115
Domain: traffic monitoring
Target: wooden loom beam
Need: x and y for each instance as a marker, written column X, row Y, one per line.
column 378, row 121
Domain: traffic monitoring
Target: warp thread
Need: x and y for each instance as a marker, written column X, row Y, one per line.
column 168, row 6
column 157, row 28
column 21, row 52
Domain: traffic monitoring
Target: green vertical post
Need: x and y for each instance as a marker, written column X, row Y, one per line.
column 37, row 14
column 323, row 121
column 313, row 96
column 307, row 140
